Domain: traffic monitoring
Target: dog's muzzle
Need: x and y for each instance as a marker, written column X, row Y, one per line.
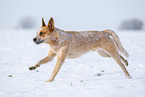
column 37, row 41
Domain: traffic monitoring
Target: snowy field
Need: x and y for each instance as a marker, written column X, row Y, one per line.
column 88, row 76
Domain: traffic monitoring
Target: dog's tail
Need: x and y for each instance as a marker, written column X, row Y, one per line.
column 117, row 42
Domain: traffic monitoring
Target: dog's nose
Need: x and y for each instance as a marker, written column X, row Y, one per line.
column 34, row 39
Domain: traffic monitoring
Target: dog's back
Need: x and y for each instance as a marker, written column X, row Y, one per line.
column 84, row 41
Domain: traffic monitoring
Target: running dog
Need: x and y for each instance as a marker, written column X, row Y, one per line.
column 73, row 44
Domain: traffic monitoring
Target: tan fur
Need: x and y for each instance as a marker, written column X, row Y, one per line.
column 72, row 44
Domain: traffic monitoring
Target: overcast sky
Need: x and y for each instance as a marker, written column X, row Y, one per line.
column 72, row 14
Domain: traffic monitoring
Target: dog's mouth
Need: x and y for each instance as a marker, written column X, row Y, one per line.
column 38, row 42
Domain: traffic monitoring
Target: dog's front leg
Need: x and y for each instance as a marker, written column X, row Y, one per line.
column 48, row 58
column 61, row 56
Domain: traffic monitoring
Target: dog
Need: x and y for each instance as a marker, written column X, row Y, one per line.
column 73, row 44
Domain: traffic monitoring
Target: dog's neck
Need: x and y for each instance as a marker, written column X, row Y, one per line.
column 59, row 38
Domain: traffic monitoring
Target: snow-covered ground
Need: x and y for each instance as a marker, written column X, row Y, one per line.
column 88, row 76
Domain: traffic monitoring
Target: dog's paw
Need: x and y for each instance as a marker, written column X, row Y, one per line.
column 49, row 80
column 32, row 68
column 129, row 77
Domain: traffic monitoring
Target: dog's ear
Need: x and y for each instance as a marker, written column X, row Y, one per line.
column 51, row 24
column 43, row 23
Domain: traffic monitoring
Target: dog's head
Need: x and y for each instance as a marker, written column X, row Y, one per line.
column 45, row 32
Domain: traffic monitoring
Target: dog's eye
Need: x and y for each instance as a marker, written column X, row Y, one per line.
column 41, row 33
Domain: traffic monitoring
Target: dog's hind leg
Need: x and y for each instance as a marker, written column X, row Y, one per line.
column 124, row 61
column 48, row 58
column 110, row 47
column 102, row 53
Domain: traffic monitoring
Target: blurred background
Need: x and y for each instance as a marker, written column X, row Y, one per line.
column 73, row 14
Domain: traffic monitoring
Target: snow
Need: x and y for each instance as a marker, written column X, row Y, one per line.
column 88, row 76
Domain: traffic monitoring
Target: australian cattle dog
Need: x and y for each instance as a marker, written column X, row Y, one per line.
column 73, row 44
